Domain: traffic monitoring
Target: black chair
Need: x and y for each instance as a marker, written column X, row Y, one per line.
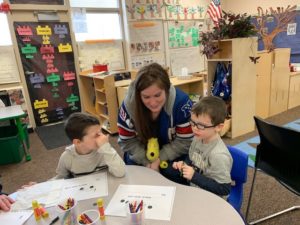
column 278, row 155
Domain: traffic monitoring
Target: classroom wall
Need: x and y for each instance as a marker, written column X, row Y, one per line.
column 250, row 7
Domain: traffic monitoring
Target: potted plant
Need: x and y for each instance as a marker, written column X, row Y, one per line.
column 229, row 26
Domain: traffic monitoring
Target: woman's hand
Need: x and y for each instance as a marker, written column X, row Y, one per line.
column 187, row 172
column 5, row 202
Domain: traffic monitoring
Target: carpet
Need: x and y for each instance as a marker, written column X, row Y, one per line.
column 249, row 146
column 53, row 136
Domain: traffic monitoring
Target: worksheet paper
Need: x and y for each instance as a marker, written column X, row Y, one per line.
column 158, row 200
column 50, row 193
column 15, row 218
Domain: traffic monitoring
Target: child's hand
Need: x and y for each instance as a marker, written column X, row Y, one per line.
column 28, row 185
column 101, row 139
column 177, row 165
column 5, row 203
column 187, row 172
column 155, row 164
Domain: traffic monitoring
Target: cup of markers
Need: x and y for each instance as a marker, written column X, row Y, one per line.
column 67, row 211
column 135, row 212
column 90, row 217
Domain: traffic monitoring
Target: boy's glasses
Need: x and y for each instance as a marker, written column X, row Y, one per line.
column 200, row 126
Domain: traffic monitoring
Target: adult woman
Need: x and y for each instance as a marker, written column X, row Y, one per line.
column 154, row 108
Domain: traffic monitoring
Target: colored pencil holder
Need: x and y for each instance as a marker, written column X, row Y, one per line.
column 92, row 214
column 67, row 215
column 135, row 218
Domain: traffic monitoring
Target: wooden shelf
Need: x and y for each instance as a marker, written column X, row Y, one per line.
column 243, row 97
column 99, row 98
column 219, row 60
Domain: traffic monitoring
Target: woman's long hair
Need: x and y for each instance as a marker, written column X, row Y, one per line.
column 147, row 76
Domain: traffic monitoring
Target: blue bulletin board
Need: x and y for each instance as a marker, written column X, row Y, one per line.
column 283, row 40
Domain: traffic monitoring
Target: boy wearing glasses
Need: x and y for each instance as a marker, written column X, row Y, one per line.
column 209, row 162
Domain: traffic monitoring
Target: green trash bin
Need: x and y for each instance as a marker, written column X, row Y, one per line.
column 11, row 148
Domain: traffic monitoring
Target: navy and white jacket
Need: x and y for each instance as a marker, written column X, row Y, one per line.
column 175, row 133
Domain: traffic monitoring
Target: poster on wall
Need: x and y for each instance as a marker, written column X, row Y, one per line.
column 184, row 33
column 191, row 58
column 146, row 37
column 38, row 2
column 48, row 63
column 9, row 72
column 106, row 52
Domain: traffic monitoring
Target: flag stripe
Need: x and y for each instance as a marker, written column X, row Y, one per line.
column 214, row 11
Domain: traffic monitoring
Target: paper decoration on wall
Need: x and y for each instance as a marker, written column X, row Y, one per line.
column 40, row 2
column 28, row 51
column 184, row 12
column 146, row 37
column 183, row 33
column 37, row 80
column 110, row 51
column 79, row 20
column 48, row 61
column 194, row 62
column 138, row 62
column 282, row 18
column 146, row 10
column 9, row 72
column 40, row 104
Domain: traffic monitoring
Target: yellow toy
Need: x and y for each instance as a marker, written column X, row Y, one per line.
column 153, row 152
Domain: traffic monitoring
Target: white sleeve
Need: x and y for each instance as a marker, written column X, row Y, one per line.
column 62, row 170
column 115, row 163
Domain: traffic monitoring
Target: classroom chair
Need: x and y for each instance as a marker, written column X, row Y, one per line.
column 239, row 176
column 278, row 156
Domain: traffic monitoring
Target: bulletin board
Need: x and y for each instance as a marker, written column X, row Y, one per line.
column 48, row 63
column 9, row 72
column 104, row 52
column 286, row 39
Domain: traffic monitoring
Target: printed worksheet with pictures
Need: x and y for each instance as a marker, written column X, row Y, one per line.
column 158, row 200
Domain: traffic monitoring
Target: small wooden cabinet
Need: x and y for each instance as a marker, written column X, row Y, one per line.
column 99, row 99
column 272, row 82
column 237, row 51
column 294, row 90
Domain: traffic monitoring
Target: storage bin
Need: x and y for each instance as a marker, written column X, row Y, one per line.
column 11, row 148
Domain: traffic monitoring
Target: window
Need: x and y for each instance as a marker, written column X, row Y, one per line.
column 94, row 19
column 5, row 34
column 95, row 3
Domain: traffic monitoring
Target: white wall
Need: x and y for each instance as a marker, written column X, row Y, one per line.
column 250, row 6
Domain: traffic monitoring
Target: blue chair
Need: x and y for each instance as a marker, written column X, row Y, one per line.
column 239, row 176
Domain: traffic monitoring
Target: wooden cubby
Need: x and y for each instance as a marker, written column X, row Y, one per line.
column 98, row 95
column 273, row 77
column 294, row 90
column 237, row 51
column 192, row 86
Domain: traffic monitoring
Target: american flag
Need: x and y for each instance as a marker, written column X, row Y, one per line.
column 214, row 11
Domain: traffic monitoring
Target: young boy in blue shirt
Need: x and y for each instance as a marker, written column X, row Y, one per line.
column 209, row 162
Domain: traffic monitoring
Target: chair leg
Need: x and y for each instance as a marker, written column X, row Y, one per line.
column 275, row 214
column 250, row 195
